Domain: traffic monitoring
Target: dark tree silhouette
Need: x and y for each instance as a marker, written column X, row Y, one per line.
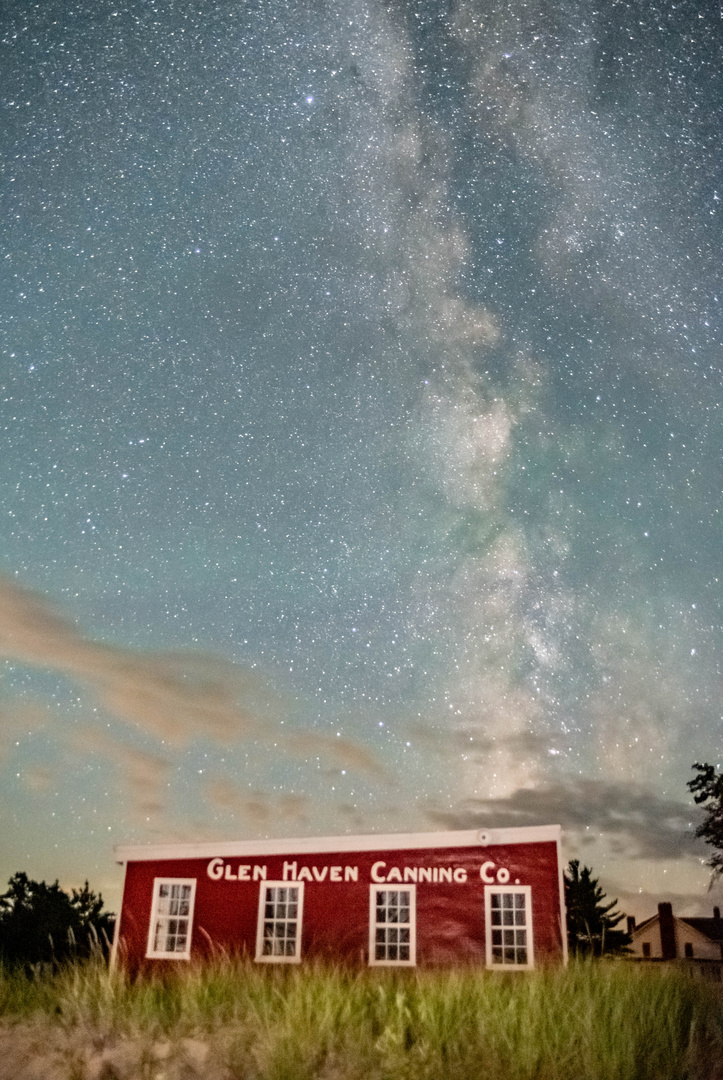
column 591, row 923
column 41, row 923
column 707, row 788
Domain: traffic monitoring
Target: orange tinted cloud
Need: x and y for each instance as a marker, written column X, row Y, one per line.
column 350, row 754
column 172, row 696
column 142, row 774
column 19, row 721
column 255, row 806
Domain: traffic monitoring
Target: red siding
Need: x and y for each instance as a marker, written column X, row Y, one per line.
column 450, row 917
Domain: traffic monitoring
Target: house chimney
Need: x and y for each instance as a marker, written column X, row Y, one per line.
column 631, row 923
column 667, row 931
column 716, row 913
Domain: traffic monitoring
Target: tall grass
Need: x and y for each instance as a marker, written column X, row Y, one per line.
column 593, row 1021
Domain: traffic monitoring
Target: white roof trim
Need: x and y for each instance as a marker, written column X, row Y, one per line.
column 319, row 845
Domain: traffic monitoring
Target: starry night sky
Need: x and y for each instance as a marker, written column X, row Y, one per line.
column 360, row 425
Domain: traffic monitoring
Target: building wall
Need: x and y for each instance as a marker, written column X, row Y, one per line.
column 450, row 915
column 703, row 947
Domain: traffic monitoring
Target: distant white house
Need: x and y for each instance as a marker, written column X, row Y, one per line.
column 667, row 937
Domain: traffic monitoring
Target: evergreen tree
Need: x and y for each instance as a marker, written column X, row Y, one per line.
column 591, row 923
column 707, row 787
column 41, row 923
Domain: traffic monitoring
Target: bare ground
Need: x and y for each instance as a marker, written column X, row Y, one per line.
column 39, row 1050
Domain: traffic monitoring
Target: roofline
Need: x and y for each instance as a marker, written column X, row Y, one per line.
column 697, row 930
column 642, row 925
column 319, row 845
column 680, row 919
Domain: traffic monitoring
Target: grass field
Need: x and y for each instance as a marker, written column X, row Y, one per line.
column 593, row 1021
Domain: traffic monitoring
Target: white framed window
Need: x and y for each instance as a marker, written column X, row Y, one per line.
column 508, row 919
column 393, row 926
column 278, row 932
column 169, row 933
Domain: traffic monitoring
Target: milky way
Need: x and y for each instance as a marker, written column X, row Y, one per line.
column 359, row 426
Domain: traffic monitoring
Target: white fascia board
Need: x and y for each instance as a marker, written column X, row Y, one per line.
column 320, row 845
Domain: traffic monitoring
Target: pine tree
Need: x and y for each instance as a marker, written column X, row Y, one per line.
column 591, row 923
column 41, row 923
column 707, row 787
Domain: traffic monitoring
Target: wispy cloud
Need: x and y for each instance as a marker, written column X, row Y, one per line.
column 342, row 750
column 169, row 698
column 17, row 721
column 257, row 808
column 173, row 696
column 142, row 773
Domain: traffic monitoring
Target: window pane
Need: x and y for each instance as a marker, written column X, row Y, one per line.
column 280, row 928
column 172, row 919
column 392, row 934
column 508, row 946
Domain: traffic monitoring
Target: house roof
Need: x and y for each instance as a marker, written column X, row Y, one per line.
column 712, row 928
column 645, row 925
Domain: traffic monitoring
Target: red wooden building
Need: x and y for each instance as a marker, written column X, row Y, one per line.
column 491, row 897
